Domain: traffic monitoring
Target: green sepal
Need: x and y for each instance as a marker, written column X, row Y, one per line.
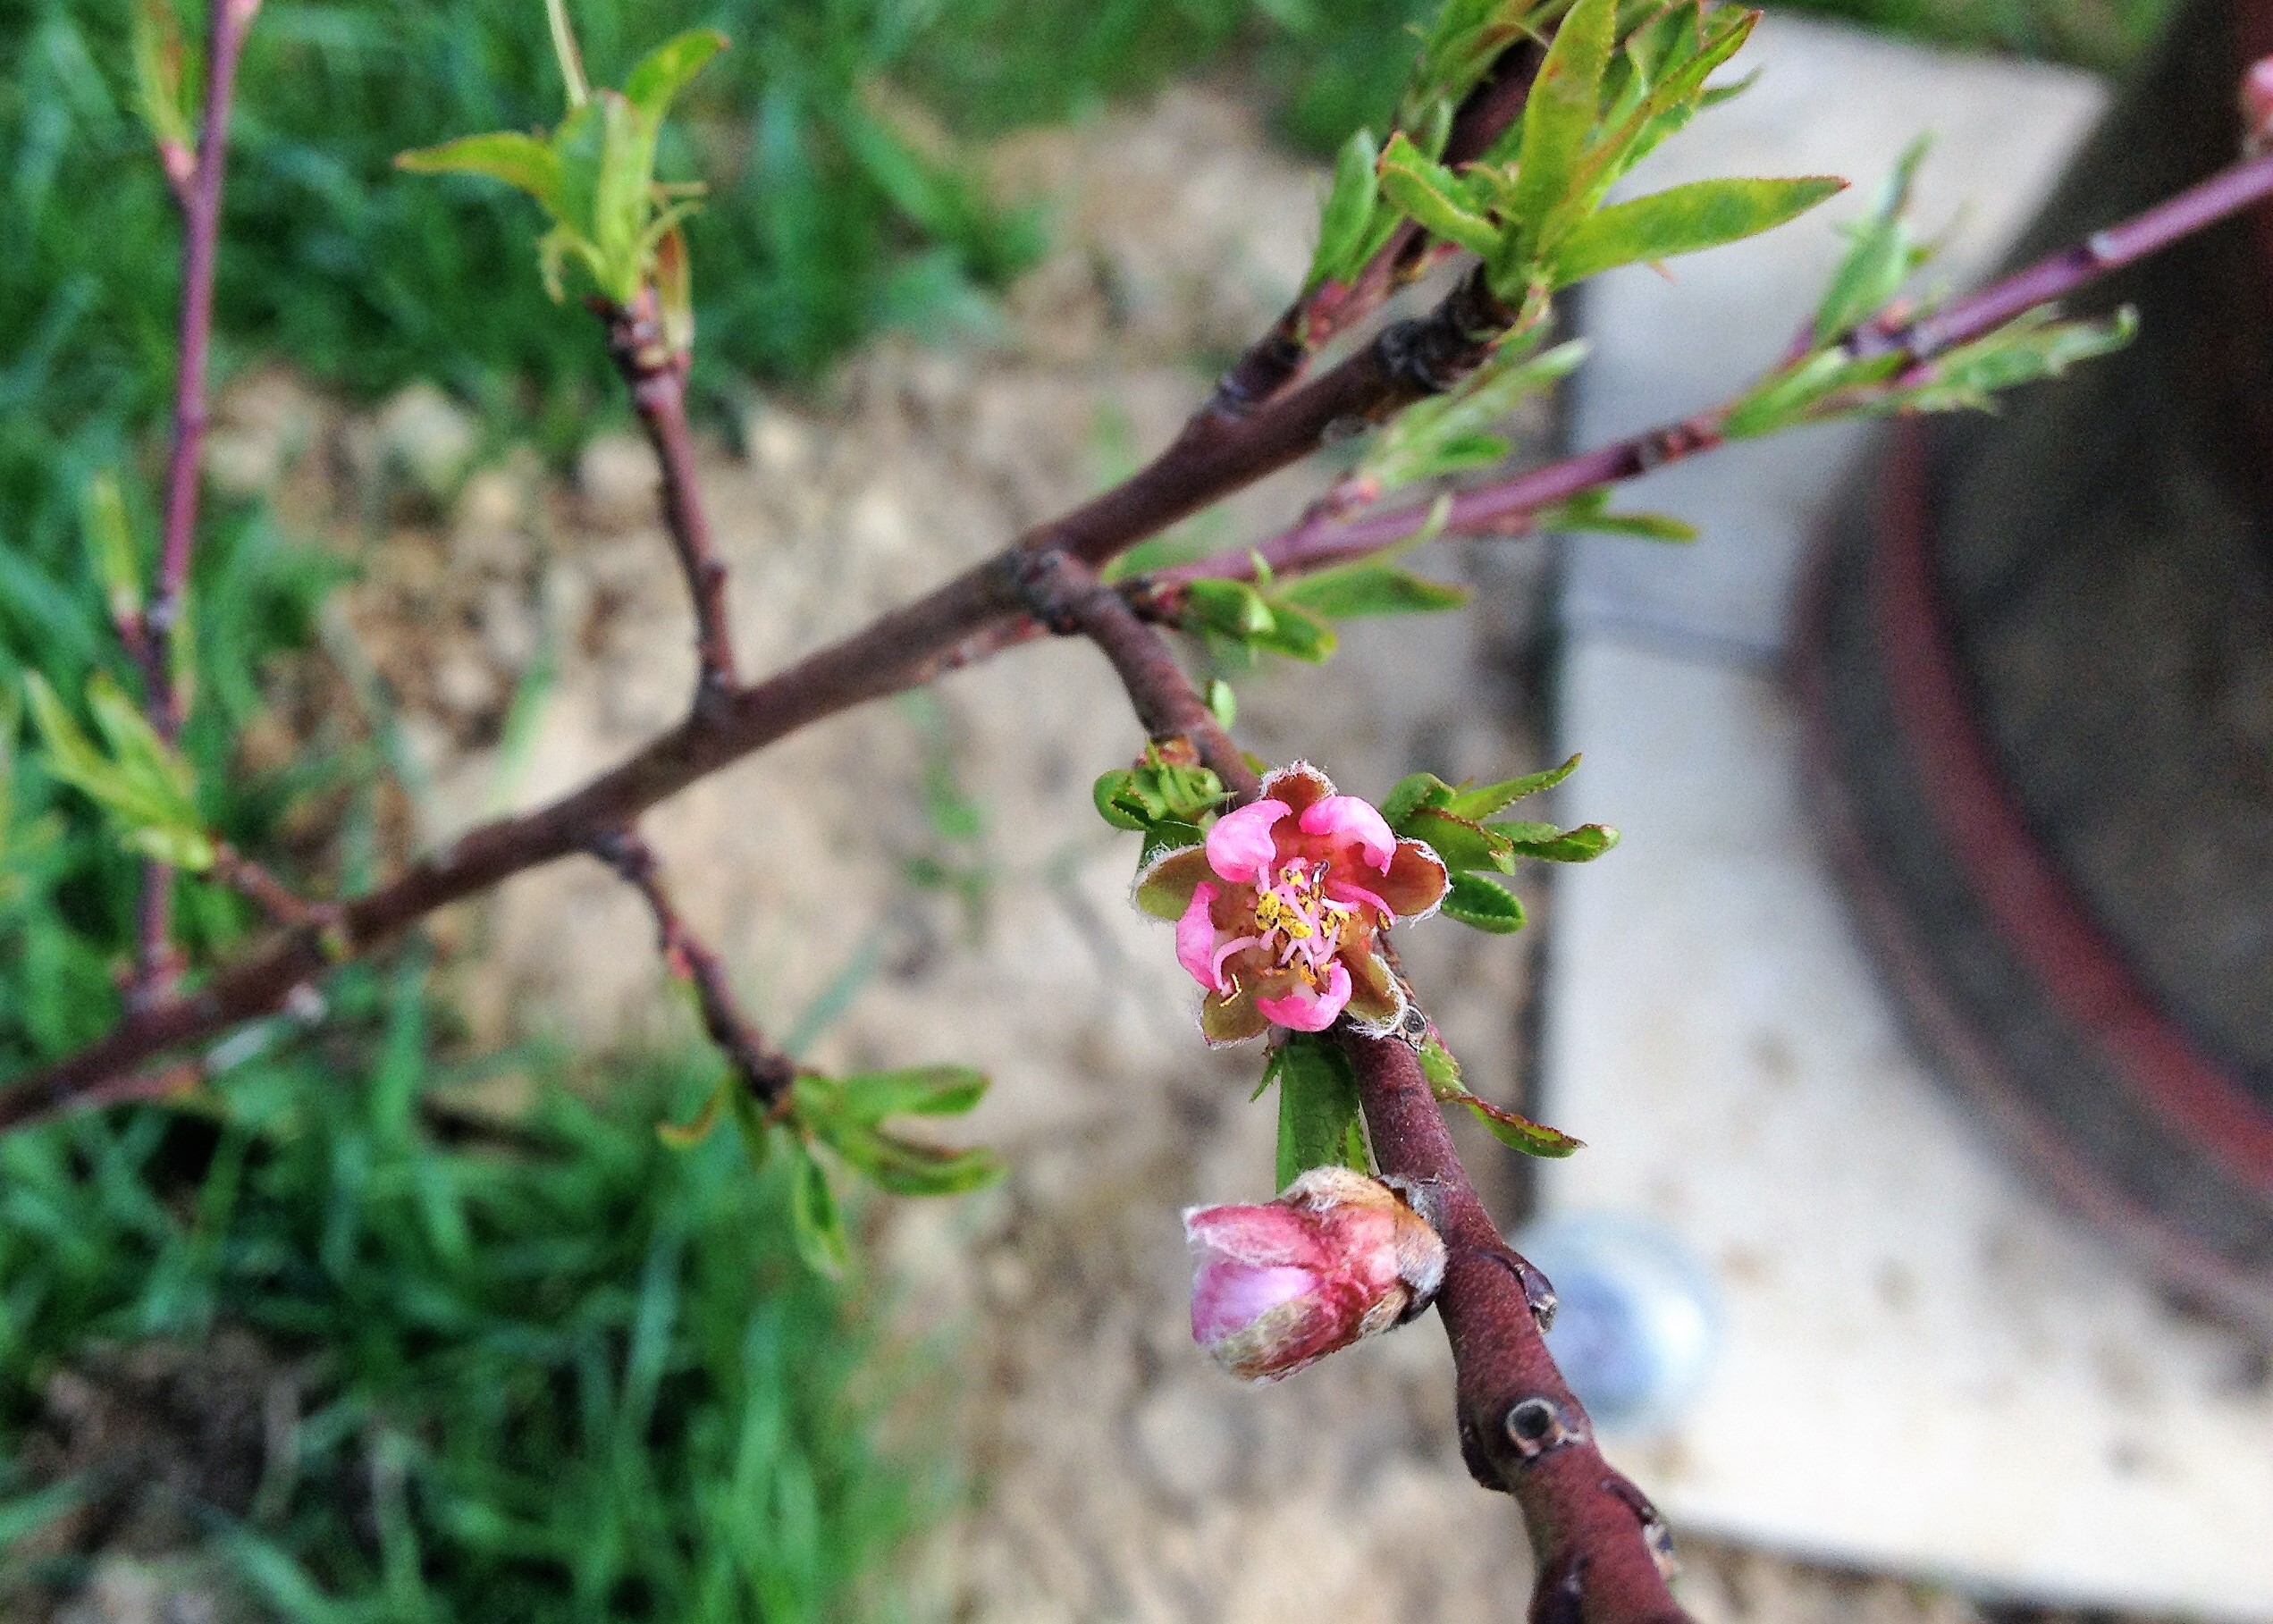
column 1482, row 803
column 1411, row 793
column 1484, row 904
column 1461, row 842
column 1319, row 1123
column 1548, row 844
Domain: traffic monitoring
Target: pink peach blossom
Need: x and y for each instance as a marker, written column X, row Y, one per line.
column 1337, row 1257
column 1279, row 914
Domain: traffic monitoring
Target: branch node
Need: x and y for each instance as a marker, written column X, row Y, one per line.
column 1537, row 1427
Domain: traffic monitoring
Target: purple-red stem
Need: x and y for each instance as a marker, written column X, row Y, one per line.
column 1508, row 507
column 156, row 964
column 1601, row 1553
column 656, row 375
column 764, row 1070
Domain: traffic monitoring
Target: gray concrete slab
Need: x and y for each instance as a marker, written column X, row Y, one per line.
column 1925, row 1368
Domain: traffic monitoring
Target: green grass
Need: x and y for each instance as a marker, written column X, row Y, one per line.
column 588, row 1370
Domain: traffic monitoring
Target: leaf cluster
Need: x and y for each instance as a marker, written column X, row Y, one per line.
column 595, row 177
column 1163, row 797
column 1836, row 377
column 1608, row 94
column 1295, row 617
column 1456, row 823
column 848, row 1115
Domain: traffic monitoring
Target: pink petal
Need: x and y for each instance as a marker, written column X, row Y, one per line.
column 1228, row 1297
column 1308, row 1009
column 1342, row 890
column 1268, row 1235
column 1347, row 819
column 1196, row 938
column 1241, row 847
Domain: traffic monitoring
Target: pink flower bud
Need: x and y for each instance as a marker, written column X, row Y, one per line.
column 2257, row 106
column 1337, row 1257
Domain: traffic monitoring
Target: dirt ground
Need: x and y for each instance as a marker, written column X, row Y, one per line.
column 1117, row 1474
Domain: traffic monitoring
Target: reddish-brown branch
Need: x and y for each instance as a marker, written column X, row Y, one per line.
column 656, row 375
column 765, row 1071
column 1067, row 597
column 1510, row 507
column 1214, row 456
column 1601, row 1553
column 199, row 193
column 971, row 618
column 1273, row 363
column 283, row 906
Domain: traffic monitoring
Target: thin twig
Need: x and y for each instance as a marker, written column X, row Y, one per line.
column 155, row 963
column 1601, row 1553
column 1066, row 596
column 656, row 375
column 764, row 1070
column 971, row 618
column 1274, row 362
column 283, row 905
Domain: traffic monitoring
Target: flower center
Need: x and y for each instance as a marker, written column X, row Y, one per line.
column 1302, row 927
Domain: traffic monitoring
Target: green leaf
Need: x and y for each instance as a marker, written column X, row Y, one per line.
column 1482, row 803
column 1115, row 797
column 1344, row 224
column 1318, row 1118
column 1443, row 1071
column 1461, row 842
column 1879, row 254
column 686, row 1136
column 162, row 75
column 623, row 198
column 1411, row 793
column 819, row 1226
column 1683, row 220
column 1433, row 198
column 1223, row 704
column 1370, row 587
column 1565, row 100
column 110, row 544
column 1169, row 835
column 1511, row 1129
column 143, row 784
column 1230, row 609
column 1799, row 392
column 1589, row 510
column 664, row 71
column 1296, row 633
column 1549, row 844
column 518, row 160
column 918, row 1090
column 2029, row 348
column 1485, row 904
column 909, row 1168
